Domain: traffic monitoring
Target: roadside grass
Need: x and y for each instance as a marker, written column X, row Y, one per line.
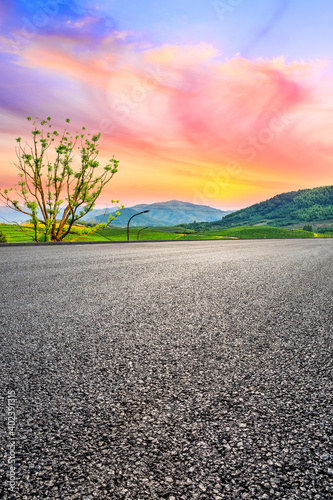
column 262, row 232
column 25, row 233
column 17, row 234
column 120, row 234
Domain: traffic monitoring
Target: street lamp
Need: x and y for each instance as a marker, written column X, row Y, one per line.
column 137, row 235
column 128, row 223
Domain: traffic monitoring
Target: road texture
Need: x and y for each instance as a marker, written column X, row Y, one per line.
column 180, row 370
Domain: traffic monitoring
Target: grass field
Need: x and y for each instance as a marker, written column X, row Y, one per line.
column 16, row 234
column 262, row 232
column 120, row 233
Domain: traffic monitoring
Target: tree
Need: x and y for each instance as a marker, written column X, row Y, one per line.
column 308, row 227
column 55, row 195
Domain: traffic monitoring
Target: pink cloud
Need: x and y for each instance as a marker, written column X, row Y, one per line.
column 184, row 105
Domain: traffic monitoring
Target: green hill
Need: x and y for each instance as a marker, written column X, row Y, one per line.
column 305, row 206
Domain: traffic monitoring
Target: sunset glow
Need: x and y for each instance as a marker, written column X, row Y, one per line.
column 188, row 119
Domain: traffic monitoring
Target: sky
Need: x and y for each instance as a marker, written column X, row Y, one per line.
column 222, row 103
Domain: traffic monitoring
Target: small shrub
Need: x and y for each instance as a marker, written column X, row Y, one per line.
column 4, row 238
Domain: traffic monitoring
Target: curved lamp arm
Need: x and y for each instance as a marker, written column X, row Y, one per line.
column 128, row 223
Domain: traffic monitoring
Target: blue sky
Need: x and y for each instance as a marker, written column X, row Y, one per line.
column 253, row 28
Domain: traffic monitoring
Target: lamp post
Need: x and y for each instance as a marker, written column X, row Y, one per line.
column 137, row 236
column 128, row 223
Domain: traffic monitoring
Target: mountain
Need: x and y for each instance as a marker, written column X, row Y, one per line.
column 287, row 209
column 99, row 211
column 168, row 213
column 180, row 212
column 126, row 214
column 9, row 215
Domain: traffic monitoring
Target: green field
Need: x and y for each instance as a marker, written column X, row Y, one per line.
column 120, row 234
column 16, row 234
column 262, row 232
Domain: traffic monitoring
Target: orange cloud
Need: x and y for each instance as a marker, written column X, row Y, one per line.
column 184, row 115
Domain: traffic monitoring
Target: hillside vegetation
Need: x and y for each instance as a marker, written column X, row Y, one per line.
column 295, row 207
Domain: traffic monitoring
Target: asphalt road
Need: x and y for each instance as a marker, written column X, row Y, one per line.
column 181, row 370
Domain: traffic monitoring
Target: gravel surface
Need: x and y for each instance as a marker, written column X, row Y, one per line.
column 182, row 370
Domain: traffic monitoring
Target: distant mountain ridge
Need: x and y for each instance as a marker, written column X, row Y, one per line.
column 178, row 212
column 286, row 209
column 122, row 219
column 169, row 213
column 9, row 215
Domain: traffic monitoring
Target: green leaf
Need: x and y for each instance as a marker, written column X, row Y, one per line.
column 96, row 137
